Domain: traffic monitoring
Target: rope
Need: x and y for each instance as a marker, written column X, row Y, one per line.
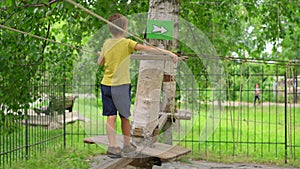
column 103, row 19
column 80, row 49
column 249, row 60
column 112, row 24
column 43, row 38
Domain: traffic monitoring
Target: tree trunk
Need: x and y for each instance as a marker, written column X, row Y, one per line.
column 152, row 73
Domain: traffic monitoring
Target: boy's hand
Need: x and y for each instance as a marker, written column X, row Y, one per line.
column 100, row 60
column 174, row 58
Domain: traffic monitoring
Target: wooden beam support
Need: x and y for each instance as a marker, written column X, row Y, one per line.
column 162, row 120
column 155, row 57
column 179, row 114
column 113, row 163
column 150, row 57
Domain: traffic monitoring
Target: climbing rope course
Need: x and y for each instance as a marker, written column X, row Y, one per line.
column 218, row 90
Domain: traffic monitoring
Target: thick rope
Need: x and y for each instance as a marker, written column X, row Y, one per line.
column 112, row 24
column 43, row 38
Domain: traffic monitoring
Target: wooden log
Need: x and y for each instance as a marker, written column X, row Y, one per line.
column 166, row 10
column 179, row 114
column 150, row 57
column 71, row 117
column 155, row 57
column 38, row 120
column 147, row 102
column 104, row 162
column 162, row 120
column 113, row 163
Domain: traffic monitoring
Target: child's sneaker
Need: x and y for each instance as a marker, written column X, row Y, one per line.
column 114, row 152
column 129, row 150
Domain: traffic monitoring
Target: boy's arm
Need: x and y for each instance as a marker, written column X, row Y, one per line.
column 153, row 50
column 100, row 59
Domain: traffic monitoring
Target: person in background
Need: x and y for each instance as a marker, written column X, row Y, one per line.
column 256, row 94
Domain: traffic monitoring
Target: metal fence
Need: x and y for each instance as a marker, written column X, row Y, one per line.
column 225, row 121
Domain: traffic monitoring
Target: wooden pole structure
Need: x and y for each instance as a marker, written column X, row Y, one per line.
column 151, row 74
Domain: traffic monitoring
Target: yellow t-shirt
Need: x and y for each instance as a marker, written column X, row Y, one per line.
column 117, row 61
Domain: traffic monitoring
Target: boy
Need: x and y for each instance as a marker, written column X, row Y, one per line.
column 115, row 85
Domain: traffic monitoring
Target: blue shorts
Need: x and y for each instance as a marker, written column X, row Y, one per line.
column 116, row 98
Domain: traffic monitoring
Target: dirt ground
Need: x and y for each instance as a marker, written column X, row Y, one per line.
column 191, row 165
column 211, row 165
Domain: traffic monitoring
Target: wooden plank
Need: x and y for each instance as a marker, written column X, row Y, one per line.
column 38, row 120
column 150, row 57
column 159, row 150
column 162, row 121
column 180, row 114
column 113, row 163
column 178, row 150
column 103, row 140
column 155, row 57
column 165, row 151
column 71, row 117
column 45, row 120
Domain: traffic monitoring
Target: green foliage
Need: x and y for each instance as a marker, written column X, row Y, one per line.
column 61, row 159
column 240, row 27
column 245, row 27
column 27, row 63
column 31, row 66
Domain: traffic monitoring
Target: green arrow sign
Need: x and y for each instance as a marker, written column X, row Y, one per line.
column 158, row 29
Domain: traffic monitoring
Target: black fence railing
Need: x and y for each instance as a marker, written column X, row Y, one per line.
column 226, row 120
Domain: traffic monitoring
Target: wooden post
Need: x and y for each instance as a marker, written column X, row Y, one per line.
column 167, row 10
column 152, row 72
column 146, row 106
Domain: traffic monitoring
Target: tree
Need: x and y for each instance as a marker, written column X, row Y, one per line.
column 31, row 65
column 152, row 72
column 240, row 26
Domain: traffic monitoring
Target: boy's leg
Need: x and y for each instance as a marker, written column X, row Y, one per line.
column 111, row 130
column 110, row 111
column 113, row 151
column 128, row 148
column 126, row 130
column 121, row 97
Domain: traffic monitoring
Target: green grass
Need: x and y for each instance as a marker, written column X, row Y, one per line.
column 245, row 134
column 79, row 158
column 232, row 135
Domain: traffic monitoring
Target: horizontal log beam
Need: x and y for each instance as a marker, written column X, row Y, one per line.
column 162, row 120
column 155, row 57
column 150, row 57
column 113, row 163
column 180, row 114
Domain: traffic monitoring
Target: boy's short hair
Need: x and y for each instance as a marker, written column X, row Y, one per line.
column 119, row 20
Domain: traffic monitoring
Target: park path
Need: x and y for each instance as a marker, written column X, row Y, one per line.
column 214, row 165
column 237, row 103
column 190, row 164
